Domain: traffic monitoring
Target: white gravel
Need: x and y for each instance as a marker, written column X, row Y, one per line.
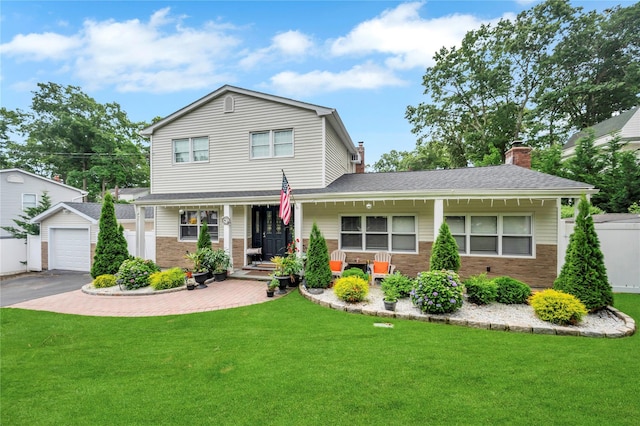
column 603, row 322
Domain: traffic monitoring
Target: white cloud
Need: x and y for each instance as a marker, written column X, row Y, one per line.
column 409, row 40
column 365, row 76
column 134, row 55
column 290, row 45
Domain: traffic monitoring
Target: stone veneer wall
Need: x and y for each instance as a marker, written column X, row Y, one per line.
column 539, row 272
column 170, row 252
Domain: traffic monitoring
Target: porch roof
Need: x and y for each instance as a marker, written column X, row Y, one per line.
column 474, row 182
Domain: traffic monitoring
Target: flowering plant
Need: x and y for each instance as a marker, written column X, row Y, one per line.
column 437, row 292
column 134, row 273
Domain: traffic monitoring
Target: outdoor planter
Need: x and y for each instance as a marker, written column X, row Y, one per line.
column 220, row 276
column 389, row 306
column 283, row 282
column 270, row 292
column 200, row 278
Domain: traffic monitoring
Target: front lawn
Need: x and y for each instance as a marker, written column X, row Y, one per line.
column 293, row 362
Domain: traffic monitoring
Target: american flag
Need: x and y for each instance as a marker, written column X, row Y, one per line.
column 285, row 205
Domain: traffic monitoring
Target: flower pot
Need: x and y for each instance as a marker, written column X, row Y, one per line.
column 295, row 281
column 200, row 278
column 191, row 286
column 270, row 292
column 389, row 306
column 283, row 282
column 220, row 276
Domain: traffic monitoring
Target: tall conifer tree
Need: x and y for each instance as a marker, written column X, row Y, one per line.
column 444, row 253
column 111, row 248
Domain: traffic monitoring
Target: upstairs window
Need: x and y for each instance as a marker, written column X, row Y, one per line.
column 272, row 143
column 191, row 220
column 29, row 201
column 191, row 150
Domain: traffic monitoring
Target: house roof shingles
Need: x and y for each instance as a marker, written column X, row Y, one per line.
column 472, row 179
column 606, row 127
column 123, row 211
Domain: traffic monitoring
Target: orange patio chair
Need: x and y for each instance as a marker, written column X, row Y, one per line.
column 338, row 262
column 381, row 266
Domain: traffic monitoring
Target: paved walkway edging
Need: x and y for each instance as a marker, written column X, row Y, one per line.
column 625, row 330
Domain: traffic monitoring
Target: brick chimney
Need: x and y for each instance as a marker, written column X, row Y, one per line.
column 360, row 167
column 518, row 155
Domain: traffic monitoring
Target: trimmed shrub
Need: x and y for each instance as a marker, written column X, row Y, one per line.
column 111, row 247
column 171, row 278
column 204, row 239
column 401, row 283
column 355, row 272
column 437, row 292
column 317, row 270
column 558, row 307
column 480, row 289
column 584, row 274
column 134, row 273
column 351, row 289
column 105, row 280
column 511, row 291
column 444, row 253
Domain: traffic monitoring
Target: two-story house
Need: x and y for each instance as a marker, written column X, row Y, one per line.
column 221, row 160
column 20, row 190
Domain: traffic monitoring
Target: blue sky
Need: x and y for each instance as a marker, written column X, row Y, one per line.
column 366, row 59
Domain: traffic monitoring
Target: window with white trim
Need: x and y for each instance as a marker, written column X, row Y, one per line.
column 493, row 235
column 191, row 220
column 272, row 143
column 379, row 233
column 29, row 201
column 191, row 150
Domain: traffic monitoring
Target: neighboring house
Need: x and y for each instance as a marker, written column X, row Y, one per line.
column 625, row 125
column 69, row 233
column 128, row 194
column 20, row 190
column 221, row 159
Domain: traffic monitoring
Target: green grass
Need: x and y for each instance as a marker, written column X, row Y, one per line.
column 295, row 363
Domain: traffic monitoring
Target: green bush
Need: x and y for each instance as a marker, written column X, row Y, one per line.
column 111, row 247
column 355, row 272
column 444, row 253
column 317, row 270
column 437, row 292
column 134, row 273
column 558, row 307
column 511, row 291
column 105, row 280
column 480, row 289
column 401, row 283
column 351, row 289
column 171, row 278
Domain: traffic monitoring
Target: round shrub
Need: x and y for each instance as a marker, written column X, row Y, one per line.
column 401, row 283
column 134, row 273
column 355, row 272
column 171, row 278
column 351, row 289
column 437, row 292
column 480, row 289
column 105, row 280
column 511, row 291
column 558, row 307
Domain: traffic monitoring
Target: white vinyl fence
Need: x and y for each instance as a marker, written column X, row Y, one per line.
column 620, row 245
column 149, row 244
column 13, row 256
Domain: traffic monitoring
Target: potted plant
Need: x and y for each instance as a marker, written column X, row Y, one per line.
column 218, row 262
column 280, row 272
column 293, row 265
column 390, row 296
column 271, row 286
column 199, row 271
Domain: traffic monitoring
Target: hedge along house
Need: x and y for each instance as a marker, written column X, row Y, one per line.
column 221, row 160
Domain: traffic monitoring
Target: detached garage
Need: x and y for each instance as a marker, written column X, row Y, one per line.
column 69, row 233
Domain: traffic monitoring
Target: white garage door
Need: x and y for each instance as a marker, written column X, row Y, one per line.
column 69, row 249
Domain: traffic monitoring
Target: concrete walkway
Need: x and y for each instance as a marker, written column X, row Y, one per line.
column 226, row 294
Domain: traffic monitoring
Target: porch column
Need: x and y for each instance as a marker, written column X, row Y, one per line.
column 561, row 242
column 297, row 219
column 228, row 242
column 438, row 217
column 140, row 231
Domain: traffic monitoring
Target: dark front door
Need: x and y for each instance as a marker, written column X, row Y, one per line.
column 269, row 232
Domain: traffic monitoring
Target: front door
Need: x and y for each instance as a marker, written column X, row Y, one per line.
column 269, row 232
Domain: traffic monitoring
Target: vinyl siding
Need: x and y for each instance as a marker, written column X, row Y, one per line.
column 337, row 159
column 167, row 221
column 545, row 225
column 229, row 166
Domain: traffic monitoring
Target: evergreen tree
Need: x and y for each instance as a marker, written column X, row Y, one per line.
column 25, row 227
column 204, row 239
column 444, row 253
column 317, row 269
column 111, row 248
column 583, row 273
